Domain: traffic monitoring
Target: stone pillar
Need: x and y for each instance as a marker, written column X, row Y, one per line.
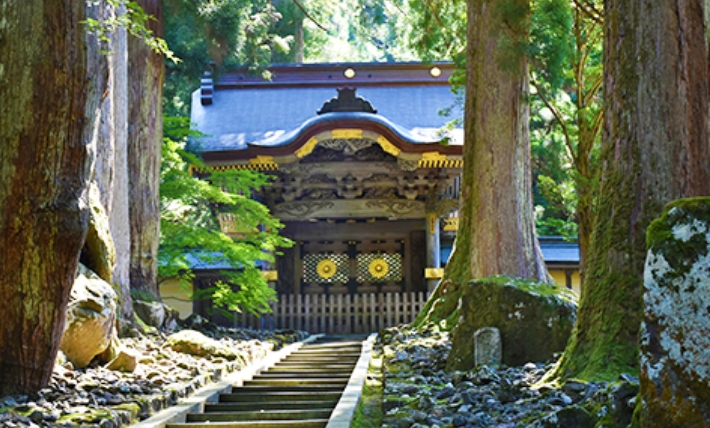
column 433, row 247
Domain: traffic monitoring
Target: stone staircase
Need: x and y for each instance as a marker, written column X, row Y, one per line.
column 300, row 391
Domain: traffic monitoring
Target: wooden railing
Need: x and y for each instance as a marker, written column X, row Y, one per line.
column 338, row 313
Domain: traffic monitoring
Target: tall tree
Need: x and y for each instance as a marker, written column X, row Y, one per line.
column 496, row 234
column 581, row 129
column 50, row 86
column 497, row 230
column 654, row 149
column 146, row 73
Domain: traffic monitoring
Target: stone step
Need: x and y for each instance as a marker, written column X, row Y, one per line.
column 304, row 374
column 279, row 396
column 312, row 367
column 326, row 351
column 276, row 405
column 324, row 358
column 334, row 346
column 332, row 381
column 270, row 415
column 315, row 363
column 311, row 423
column 300, row 391
column 287, row 388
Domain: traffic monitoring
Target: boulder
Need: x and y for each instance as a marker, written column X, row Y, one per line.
column 156, row 314
column 675, row 334
column 195, row 343
column 534, row 319
column 126, row 360
column 99, row 253
column 119, row 357
column 91, row 318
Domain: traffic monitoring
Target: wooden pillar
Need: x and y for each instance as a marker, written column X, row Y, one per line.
column 433, row 247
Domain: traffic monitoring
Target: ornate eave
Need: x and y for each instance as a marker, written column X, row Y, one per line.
column 426, row 155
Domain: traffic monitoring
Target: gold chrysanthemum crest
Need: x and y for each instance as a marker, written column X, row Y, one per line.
column 326, row 268
column 378, row 268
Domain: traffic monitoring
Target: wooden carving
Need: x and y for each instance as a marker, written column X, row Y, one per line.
column 346, row 101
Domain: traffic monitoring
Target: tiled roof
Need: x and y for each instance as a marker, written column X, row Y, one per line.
column 266, row 115
column 560, row 252
column 554, row 250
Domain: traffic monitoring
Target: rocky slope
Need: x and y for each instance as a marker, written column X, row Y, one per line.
column 418, row 393
column 98, row 397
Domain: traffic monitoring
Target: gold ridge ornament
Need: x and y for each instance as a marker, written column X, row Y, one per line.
column 378, row 268
column 326, row 268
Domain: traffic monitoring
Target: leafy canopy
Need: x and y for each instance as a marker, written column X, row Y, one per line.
column 194, row 212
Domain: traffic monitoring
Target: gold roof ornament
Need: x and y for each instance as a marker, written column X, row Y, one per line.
column 307, row 148
column 387, row 146
column 438, row 160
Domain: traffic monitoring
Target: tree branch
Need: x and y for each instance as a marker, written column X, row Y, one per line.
column 589, row 10
column 435, row 13
column 558, row 116
column 307, row 15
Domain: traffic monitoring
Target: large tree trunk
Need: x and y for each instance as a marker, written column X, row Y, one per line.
column 145, row 132
column 497, row 236
column 654, row 149
column 120, row 201
column 48, row 106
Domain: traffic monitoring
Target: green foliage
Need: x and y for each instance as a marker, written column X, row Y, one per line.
column 135, row 20
column 225, row 33
column 381, row 27
column 554, row 190
column 551, row 48
column 438, row 29
column 191, row 209
column 257, row 33
column 513, row 33
column 142, row 296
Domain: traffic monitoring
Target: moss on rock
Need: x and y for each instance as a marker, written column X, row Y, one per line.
column 195, row 343
column 534, row 319
column 675, row 334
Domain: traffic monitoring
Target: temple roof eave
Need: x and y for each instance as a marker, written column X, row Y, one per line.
column 340, row 125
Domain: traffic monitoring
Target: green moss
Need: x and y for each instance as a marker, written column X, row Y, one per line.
column 636, row 418
column 441, row 309
column 535, row 287
column 133, row 408
column 369, row 410
column 85, row 418
column 534, row 320
column 605, row 343
column 142, row 326
column 679, row 254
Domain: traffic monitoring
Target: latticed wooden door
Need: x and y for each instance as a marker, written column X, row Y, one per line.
column 354, row 267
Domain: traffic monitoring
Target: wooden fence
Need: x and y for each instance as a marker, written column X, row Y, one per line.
column 338, row 313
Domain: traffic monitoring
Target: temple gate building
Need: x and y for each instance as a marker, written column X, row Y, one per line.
column 366, row 175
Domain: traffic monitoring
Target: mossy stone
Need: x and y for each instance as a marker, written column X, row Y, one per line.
column 534, row 319
column 674, row 368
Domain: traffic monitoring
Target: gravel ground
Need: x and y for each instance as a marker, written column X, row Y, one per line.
column 418, row 393
column 98, row 397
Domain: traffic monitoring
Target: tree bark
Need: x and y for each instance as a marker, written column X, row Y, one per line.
column 145, row 132
column 498, row 234
column 654, row 149
column 120, row 201
column 48, row 109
